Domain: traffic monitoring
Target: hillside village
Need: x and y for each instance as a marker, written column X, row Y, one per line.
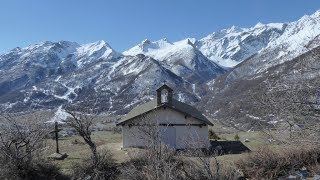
column 240, row 103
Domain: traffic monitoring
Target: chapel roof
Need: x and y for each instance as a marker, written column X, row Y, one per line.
column 175, row 105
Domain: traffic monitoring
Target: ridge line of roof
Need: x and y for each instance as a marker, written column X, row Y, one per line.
column 146, row 109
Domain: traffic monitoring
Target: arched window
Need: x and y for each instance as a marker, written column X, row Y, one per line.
column 164, row 96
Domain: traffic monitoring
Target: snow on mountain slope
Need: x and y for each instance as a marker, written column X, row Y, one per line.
column 51, row 54
column 181, row 57
column 297, row 38
column 115, row 83
column 229, row 47
column 88, row 53
column 134, row 79
column 24, row 68
column 186, row 61
column 184, row 48
column 287, row 69
column 36, row 61
column 38, row 54
column 52, row 74
column 147, row 46
column 268, row 98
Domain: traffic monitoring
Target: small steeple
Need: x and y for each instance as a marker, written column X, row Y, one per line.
column 164, row 95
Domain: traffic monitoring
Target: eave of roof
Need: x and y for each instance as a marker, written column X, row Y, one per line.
column 176, row 105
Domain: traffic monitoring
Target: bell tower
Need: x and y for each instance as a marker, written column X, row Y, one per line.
column 164, row 95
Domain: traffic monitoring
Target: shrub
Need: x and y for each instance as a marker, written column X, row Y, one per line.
column 214, row 170
column 192, row 164
column 236, row 137
column 37, row 169
column 158, row 163
column 102, row 167
column 21, row 149
column 213, row 135
column 202, row 165
column 270, row 164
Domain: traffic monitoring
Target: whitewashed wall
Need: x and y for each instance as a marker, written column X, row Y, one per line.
column 179, row 137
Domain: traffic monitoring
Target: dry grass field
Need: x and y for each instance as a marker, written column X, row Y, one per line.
column 77, row 150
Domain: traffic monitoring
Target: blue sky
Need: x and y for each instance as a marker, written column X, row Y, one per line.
column 124, row 23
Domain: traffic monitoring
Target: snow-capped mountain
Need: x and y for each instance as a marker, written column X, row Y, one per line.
column 285, row 92
column 181, row 57
column 52, row 54
column 287, row 69
column 53, row 74
column 23, row 66
column 88, row 53
column 297, row 38
column 229, row 47
column 226, row 48
column 146, row 47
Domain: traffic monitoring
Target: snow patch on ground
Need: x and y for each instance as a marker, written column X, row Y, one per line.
column 113, row 67
column 194, row 88
column 273, row 122
column 58, row 78
column 253, row 117
column 71, row 90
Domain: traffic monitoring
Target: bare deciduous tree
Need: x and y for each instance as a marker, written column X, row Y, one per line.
column 21, row 145
column 100, row 165
column 83, row 123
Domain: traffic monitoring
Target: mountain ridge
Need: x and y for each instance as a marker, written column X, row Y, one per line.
column 50, row 75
